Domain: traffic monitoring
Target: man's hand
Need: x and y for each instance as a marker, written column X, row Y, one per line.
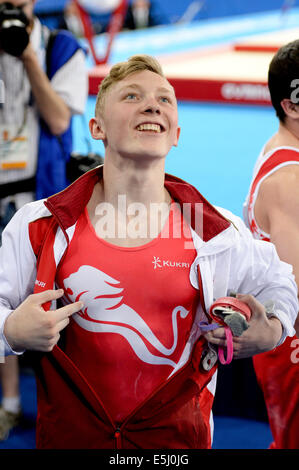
column 262, row 335
column 31, row 327
column 27, row 52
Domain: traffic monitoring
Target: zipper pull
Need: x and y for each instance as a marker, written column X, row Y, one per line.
column 117, row 437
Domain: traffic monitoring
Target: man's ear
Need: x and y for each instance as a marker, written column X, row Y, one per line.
column 178, row 132
column 96, row 129
column 291, row 109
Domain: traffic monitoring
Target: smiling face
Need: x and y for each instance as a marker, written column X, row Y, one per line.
column 138, row 118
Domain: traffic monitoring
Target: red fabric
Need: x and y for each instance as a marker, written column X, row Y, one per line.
column 277, row 372
column 70, row 413
column 233, row 303
column 127, row 319
column 37, row 232
column 175, row 417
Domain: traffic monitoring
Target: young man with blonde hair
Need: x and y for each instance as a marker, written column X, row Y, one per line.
column 126, row 349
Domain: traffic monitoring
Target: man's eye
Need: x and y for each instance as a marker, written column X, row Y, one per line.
column 164, row 99
column 130, row 96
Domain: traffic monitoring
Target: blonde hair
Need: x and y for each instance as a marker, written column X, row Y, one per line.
column 136, row 63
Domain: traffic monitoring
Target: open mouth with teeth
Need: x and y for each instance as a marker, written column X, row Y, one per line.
column 155, row 128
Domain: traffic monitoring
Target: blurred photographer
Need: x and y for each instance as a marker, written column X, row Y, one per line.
column 43, row 83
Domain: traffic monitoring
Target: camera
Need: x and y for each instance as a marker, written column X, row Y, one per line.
column 78, row 164
column 14, row 36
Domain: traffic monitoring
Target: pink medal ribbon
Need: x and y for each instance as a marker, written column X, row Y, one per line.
column 204, row 326
column 235, row 305
column 229, row 348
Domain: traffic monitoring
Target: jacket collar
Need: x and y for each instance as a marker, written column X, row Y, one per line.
column 67, row 205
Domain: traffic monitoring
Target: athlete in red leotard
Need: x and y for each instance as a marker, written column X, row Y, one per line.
column 271, row 212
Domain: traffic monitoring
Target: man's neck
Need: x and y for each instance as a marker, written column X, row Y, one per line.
column 142, row 183
column 289, row 133
column 127, row 193
column 286, row 136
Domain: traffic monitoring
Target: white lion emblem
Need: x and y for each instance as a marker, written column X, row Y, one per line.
column 106, row 312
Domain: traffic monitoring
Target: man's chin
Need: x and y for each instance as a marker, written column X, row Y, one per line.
column 146, row 155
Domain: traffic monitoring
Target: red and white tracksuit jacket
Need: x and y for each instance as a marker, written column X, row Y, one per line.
column 277, row 371
column 178, row 414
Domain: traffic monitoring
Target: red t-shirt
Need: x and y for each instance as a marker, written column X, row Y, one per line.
column 139, row 307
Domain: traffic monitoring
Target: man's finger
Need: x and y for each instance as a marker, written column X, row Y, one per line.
column 62, row 324
column 68, row 310
column 211, row 338
column 46, row 296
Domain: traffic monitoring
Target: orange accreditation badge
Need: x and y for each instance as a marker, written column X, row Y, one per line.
column 14, row 149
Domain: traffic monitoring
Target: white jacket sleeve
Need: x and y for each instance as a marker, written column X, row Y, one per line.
column 71, row 83
column 257, row 270
column 17, row 268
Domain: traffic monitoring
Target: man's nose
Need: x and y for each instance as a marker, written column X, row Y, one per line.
column 152, row 106
column 152, row 109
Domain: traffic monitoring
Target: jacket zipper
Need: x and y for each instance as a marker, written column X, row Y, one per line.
column 120, row 427
column 117, row 437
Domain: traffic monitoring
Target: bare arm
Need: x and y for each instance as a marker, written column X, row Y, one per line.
column 51, row 106
column 278, row 211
